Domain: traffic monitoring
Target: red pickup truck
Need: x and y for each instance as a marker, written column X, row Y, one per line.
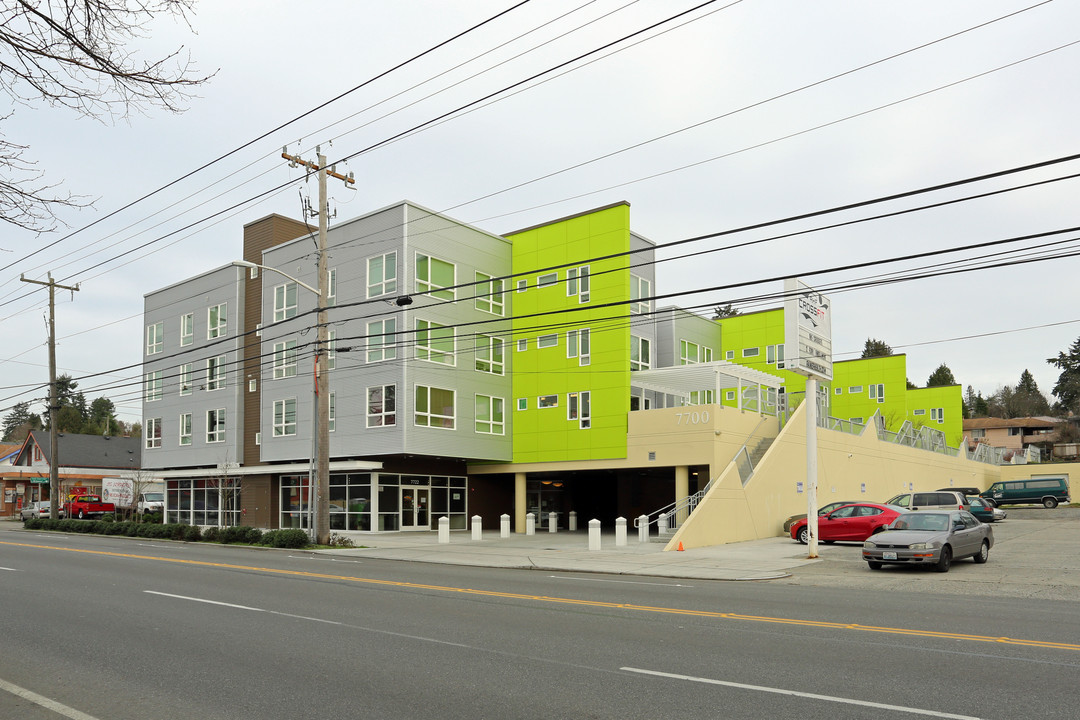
column 87, row 506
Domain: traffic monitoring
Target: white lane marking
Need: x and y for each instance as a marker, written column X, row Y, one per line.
column 330, row 559
column 796, row 693
column 621, row 582
column 305, row 617
column 11, row 569
column 45, row 702
column 162, row 546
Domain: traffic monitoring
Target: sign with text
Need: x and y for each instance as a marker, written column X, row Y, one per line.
column 807, row 330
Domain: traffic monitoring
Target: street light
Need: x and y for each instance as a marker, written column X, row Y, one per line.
column 319, row 482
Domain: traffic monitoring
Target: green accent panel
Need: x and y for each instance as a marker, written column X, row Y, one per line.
column 855, row 378
column 548, row 434
column 948, row 398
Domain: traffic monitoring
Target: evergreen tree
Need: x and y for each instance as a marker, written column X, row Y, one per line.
column 19, row 422
column 941, row 377
column 1067, row 388
column 875, row 348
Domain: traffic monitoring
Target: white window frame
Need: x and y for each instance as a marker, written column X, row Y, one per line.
column 153, row 386
column 579, row 408
column 547, row 279
column 491, row 405
column 220, row 328
column 490, row 354
column 333, row 411
column 855, row 389
column 577, row 283
column 428, row 286
column 286, row 301
column 490, row 294
column 185, row 378
column 386, row 283
column 383, row 417
column 185, row 429
column 523, row 403
column 331, row 287
column 642, row 348
column 584, row 346
column 685, row 357
column 152, row 433
column 215, row 425
column 285, row 359
column 547, row 341
column 544, row 402
column 877, row 391
column 187, row 329
column 522, row 285
column 730, row 355
column 751, row 352
column 155, row 338
column 706, row 354
column 282, row 426
column 216, row 373
column 382, row 342
column 429, row 415
column 331, row 349
column 427, row 350
column 640, row 291
column 522, row 344
column 922, row 411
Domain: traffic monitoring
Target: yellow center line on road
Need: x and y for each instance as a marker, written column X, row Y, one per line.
column 585, row 603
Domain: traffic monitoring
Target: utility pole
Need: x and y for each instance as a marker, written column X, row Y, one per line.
column 322, row 376
column 54, row 401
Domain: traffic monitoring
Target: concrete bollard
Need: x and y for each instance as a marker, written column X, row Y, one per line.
column 572, row 522
column 530, row 524
column 643, row 528
column 504, row 526
column 553, row 523
column 444, row 529
column 477, row 528
column 620, row 532
column 661, row 524
column 594, row 535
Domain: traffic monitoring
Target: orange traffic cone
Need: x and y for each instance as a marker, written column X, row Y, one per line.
column 680, row 548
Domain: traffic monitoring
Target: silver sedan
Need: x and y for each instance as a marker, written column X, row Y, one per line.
column 930, row 538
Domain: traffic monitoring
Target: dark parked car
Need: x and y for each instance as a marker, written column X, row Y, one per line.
column 857, row 522
column 930, row 538
column 1047, row 491
column 984, row 511
column 823, row 510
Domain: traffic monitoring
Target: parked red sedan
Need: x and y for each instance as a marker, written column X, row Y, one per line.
column 854, row 522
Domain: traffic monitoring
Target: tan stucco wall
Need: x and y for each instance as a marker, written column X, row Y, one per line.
column 731, row 513
column 1025, row 472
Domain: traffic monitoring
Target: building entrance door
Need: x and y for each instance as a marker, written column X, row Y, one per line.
column 414, row 508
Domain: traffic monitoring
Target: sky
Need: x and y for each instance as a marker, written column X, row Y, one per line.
column 736, row 114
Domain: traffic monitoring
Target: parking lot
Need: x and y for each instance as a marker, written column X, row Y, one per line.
column 1036, row 554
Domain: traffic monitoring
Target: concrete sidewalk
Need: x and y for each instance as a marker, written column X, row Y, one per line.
column 768, row 559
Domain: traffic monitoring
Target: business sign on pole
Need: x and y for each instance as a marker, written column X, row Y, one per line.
column 807, row 330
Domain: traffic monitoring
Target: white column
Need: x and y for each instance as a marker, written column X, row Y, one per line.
column 620, row 532
column 504, row 526
column 594, row 535
column 477, row 528
column 444, row 530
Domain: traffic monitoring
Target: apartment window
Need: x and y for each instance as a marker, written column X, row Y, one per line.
column 938, row 414
column 877, row 392
column 523, row 344
column 1012, row 430
column 703, row 397
column 729, row 355
column 919, row 412
column 187, row 329
column 285, row 301
column 331, row 287
column 432, row 275
column 688, row 352
column 434, row 342
column 489, row 415
column 577, row 283
column 546, row 341
column 382, row 274
column 215, row 425
column 434, row 407
column 577, row 408
column 216, row 321
column 639, row 353
column 838, row 391
column 857, row 420
column 522, row 285
column 854, row 389
column 152, row 432
column 639, row 295
column 381, row 340
column 523, row 403
column 770, row 354
column 489, row 354
column 215, row 373
column 284, row 417
column 155, row 338
column 547, row 401
column 285, row 359
column 489, row 294
column 730, row 395
column 978, row 433
column 331, row 349
column 382, row 406
column 153, row 385
column 547, row 280
column 333, row 412
column 706, row 354
column 751, row 352
column 185, row 378
column 780, row 356
column 185, row 429
column 571, row 344
column 584, row 346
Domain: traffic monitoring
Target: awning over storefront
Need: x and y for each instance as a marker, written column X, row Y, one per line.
column 287, row 468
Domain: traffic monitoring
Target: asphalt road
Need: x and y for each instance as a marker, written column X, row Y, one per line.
column 110, row 628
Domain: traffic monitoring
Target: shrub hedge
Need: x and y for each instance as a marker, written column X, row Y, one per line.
column 175, row 531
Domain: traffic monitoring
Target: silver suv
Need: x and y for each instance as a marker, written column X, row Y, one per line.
column 937, row 500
